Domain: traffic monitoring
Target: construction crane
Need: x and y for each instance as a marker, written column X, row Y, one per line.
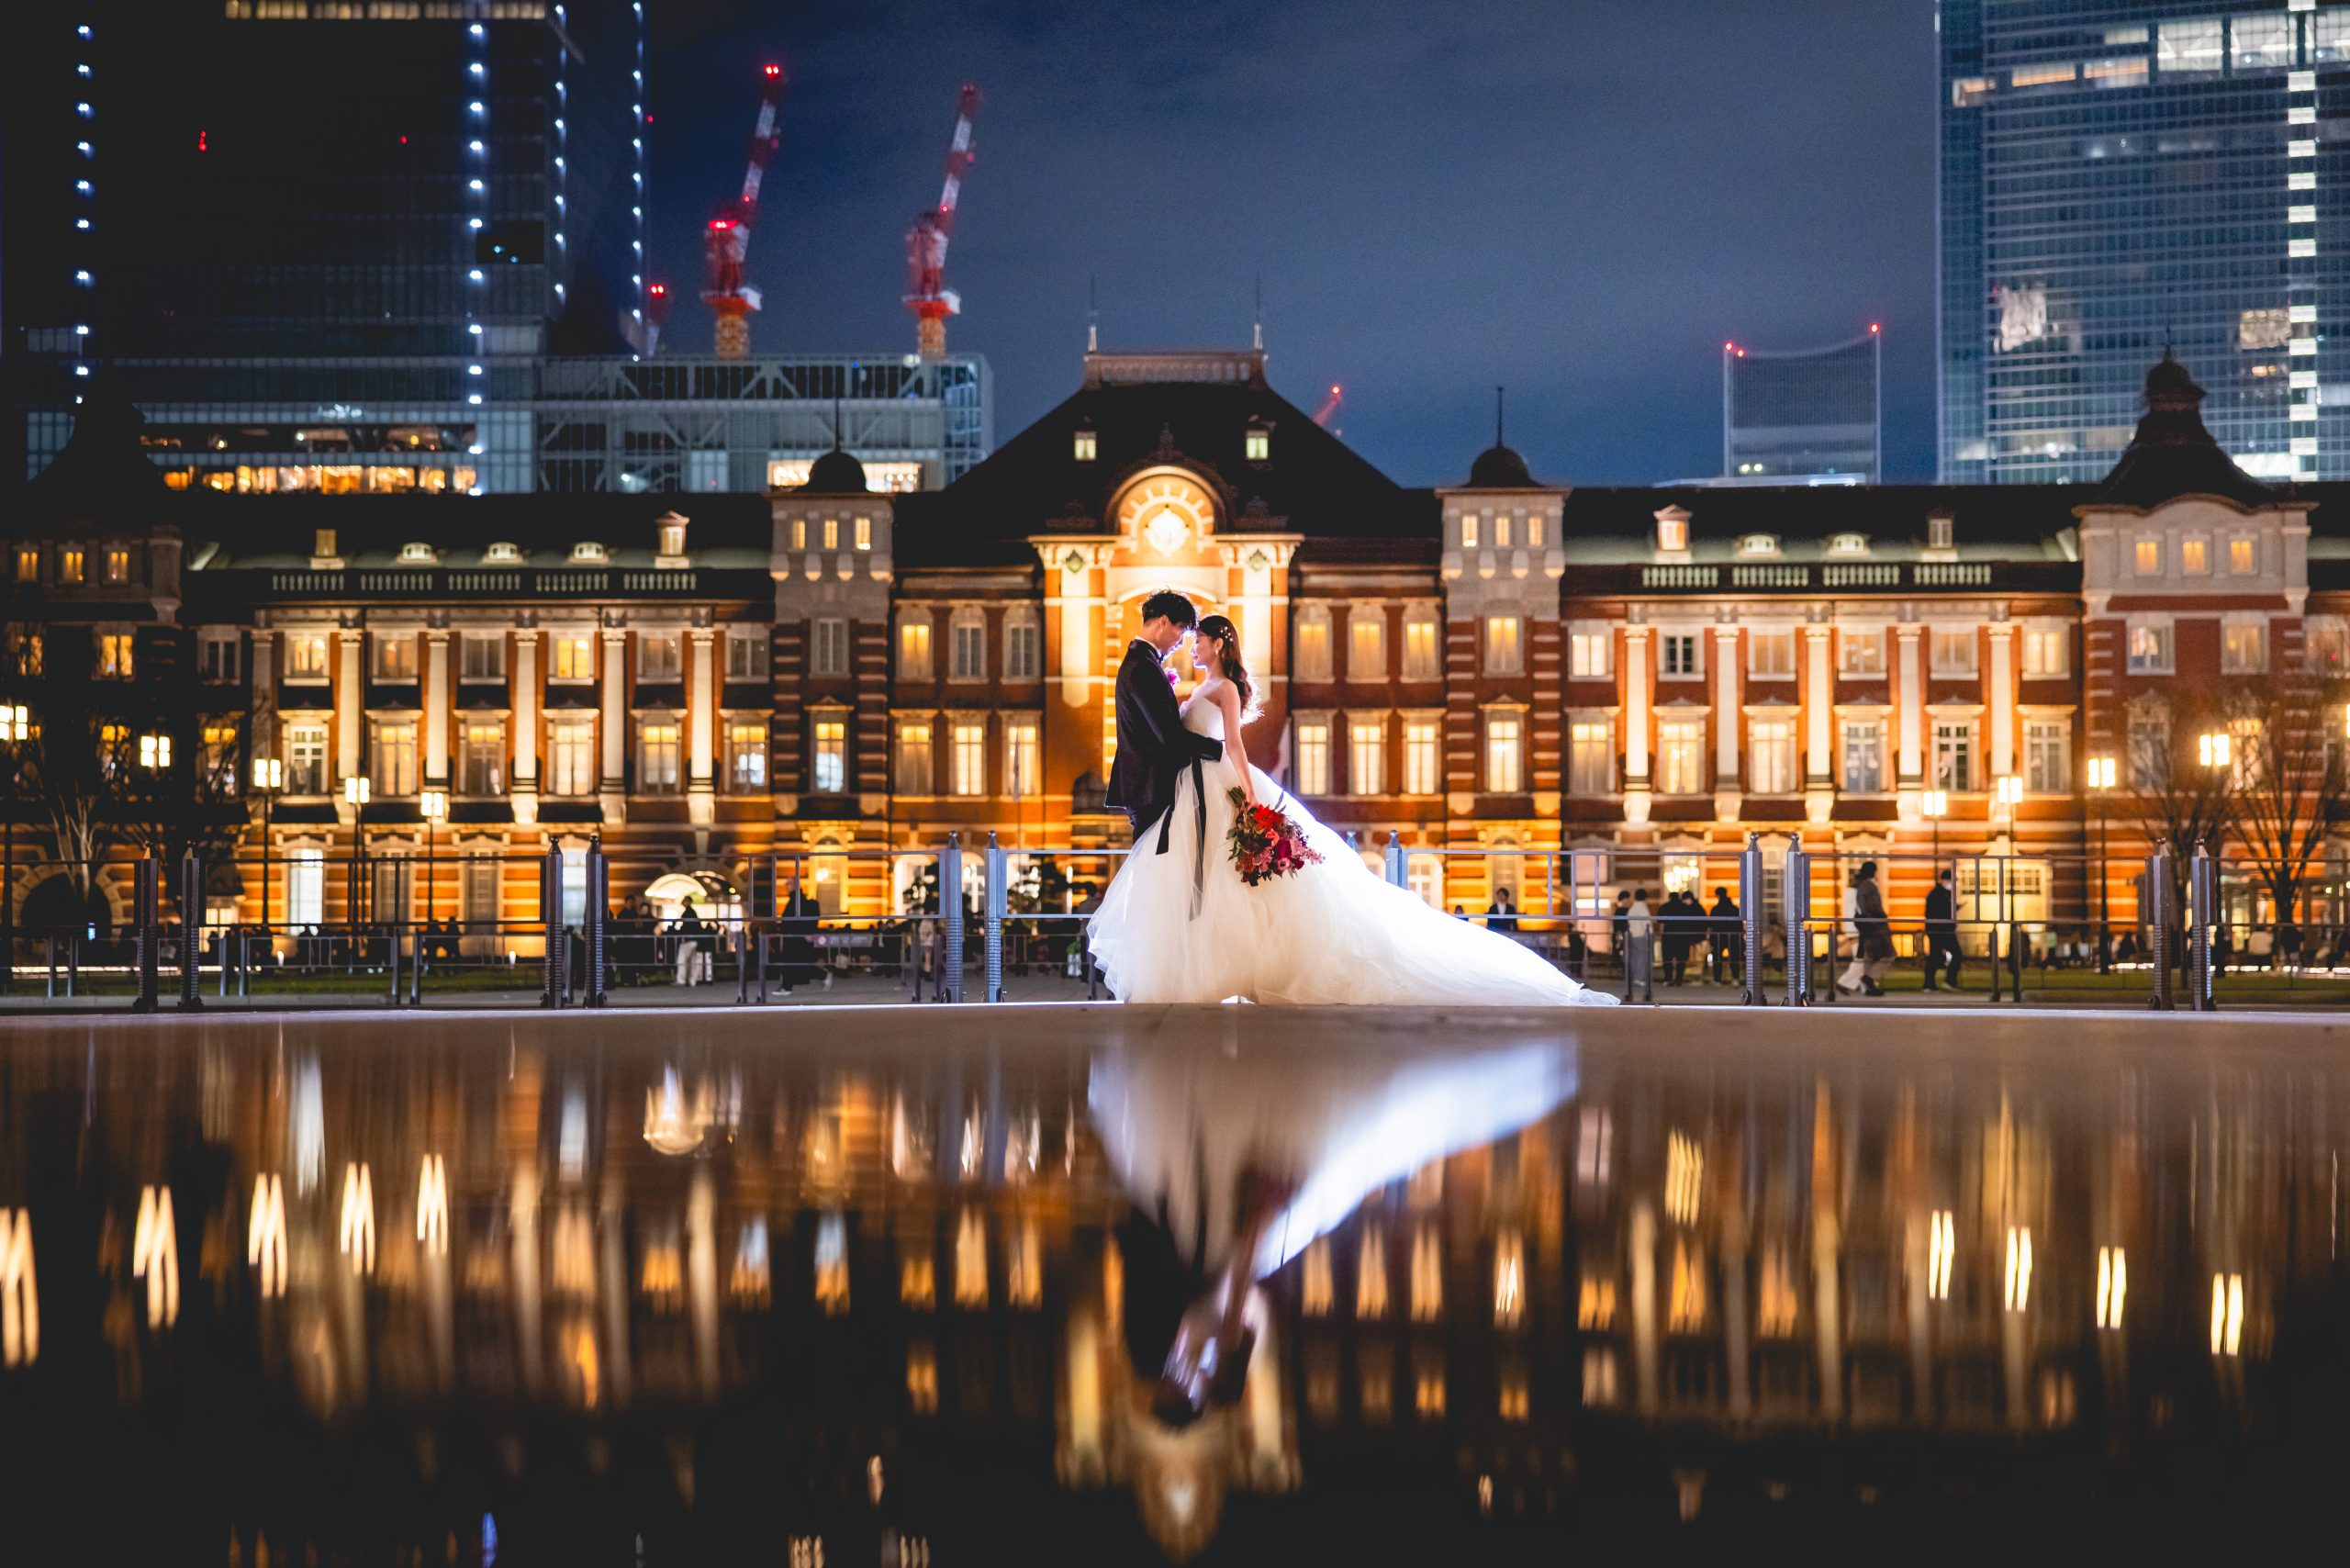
column 1330, row 406
column 930, row 300
column 730, row 298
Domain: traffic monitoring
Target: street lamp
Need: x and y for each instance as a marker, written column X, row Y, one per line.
column 2102, row 776
column 1936, row 805
column 15, row 729
column 269, row 778
column 434, row 806
column 2009, row 789
column 2212, row 748
column 154, row 758
column 356, row 791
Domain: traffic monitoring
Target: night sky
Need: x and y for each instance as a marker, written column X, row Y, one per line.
column 1578, row 198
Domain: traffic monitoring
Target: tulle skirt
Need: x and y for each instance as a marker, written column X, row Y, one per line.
column 1336, row 932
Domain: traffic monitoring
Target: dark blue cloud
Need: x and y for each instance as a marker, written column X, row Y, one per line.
column 1580, row 198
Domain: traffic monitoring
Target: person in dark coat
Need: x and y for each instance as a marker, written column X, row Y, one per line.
column 1941, row 933
column 1154, row 748
column 1501, row 914
column 796, row 915
column 1723, row 928
column 1872, row 933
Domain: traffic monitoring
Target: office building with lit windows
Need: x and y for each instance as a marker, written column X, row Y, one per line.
column 2116, row 179
column 1811, row 414
column 385, row 246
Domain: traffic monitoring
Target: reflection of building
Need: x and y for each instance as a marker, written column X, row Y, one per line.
column 2117, row 179
column 751, row 1273
column 1812, row 415
column 1554, row 689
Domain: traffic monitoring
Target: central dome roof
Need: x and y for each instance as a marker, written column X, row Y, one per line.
column 835, row 474
column 1499, row 468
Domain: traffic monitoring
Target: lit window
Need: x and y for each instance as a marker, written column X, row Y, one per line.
column 913, row 765
column 1939, row 532
column 70, row 564
column 970, row 757
column 968, row 655
column 1771, row 756
column 832, row 533
column 2243, row 647
column 1864, row 769
column 1761, row 545
column 669, row 539
column 481, row 757
column 913, row 650
column 2150, row 557
column 1771, row 655
column 1468, row 531
column 1591, row 756
column 571, row 757
column 832, row 756
column 746, row 755
column 1257, row 445
column 2047, row 651
column 575, row 656
column 1366, row 756
column 2328, row 645
column 800, row 533
column 306, row 759
column 2048, row 757
column 2150, row 648
column 1312, row 757
column 1420, row 756
column 415, row 554
column 1420, row 656
column 1860, row 653
column 2194, row 556
column 116, row 660
column 656, row 756
column 1591, row 654
column 865, row 533
column 1314, row 643
column 1367, row 643
column 1505, row 752
column 117, row 564
column 391, row 757
column 1501, row 531
column 1681, row 756
column 1849, row 545
column 828, row 654
column 1952, row 650
column 2244, row 557
column 28, row 565
column 1954, row 755
column 1671, row 532
column 1505, row 651
column 1085, row 446
column 500, row 554
column 588, row 553
column 1020, row 757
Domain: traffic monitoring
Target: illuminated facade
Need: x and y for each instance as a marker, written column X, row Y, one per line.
column 1555, row 690
column 2120, row 179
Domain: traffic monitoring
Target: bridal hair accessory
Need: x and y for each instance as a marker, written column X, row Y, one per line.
column 1265, row 843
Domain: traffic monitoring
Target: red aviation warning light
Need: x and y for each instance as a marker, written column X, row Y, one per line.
column 727, row 242
column 927, row 296
column 1329, row 409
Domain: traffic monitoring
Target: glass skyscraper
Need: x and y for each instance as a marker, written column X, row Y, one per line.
column 1812, row 413
column 2120, row 176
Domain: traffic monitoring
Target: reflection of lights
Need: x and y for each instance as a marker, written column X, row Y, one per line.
column 1023, row 1264
column 832, row 1263
column 575, row 1251
column 309, row 1127
column 2227, row 1315
column 1595, row 1147
column 571, row 1144
column 1428, row 1276
column 356, row 1234
column 918, row 1279
column 2112, row 1286
column 1776, row 1317
column 1509, row 1278
column 155, row 1256
column 1942, row 1244
column 662, row 1278
column 922, row 1377
column 19, row 1296
column 1516, row 1399
column 585, row 1360
column 1595, row 1304
column 2017, row 1293
column 972, row 1138
column 750, row 1281
column 970, row 1260
column 1316, row 1289
column 265, row 1234
column 1685, row 1175
column 1021, row 1144
column 432, row 1205
column 873, row 1480
column 1370, row 1274
column 1685, row 1308
column 671, row 1125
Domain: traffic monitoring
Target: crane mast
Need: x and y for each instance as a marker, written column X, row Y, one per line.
column 927, row 296
column 728, row 240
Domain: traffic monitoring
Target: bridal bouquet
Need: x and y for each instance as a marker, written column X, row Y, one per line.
column 1265, row 843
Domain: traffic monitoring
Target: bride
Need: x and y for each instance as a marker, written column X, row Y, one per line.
column 1332, row 932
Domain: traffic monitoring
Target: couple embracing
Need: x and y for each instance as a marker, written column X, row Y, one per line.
column 1180, row 923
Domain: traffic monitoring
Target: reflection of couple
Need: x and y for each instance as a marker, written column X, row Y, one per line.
column 1179, row 924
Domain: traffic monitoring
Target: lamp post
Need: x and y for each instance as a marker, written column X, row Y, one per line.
column 269, row 778
column 2102, row 775
column 356, row 790
column 1935, row 805
column 434, row 806
column 15, row 729
column 155, row 760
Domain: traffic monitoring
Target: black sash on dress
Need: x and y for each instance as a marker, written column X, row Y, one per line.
column 1200, row 854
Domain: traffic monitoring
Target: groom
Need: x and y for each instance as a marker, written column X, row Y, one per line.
column 1153, row 745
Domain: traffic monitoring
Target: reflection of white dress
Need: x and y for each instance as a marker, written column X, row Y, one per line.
column 1336, row 932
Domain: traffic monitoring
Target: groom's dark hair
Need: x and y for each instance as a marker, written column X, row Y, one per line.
column 1172, row 605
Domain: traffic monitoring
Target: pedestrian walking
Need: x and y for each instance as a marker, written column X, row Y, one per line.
column 1724, row 927
column 1639, row 941
column 1941, row 934
column 1871, row 936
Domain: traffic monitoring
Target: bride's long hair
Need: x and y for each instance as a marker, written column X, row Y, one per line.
column 1220, row 631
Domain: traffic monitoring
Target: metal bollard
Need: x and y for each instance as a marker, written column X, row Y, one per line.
column 2202, row 907
column 1398, row 875
column 392, row 956
column 1795, row 894
column 2157, row 915
column 599, row 871
column 146, row 901
column 950, row 907
column 1750, row 915
column 555, row 981
column 992, row 931
column 191, row 928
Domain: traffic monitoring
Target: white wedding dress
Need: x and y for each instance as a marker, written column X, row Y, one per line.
column 1336, row 932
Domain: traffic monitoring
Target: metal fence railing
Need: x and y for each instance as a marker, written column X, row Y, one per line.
column 984, row 922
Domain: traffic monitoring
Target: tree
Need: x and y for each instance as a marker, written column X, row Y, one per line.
column 2177, row 800
column 2287, row 795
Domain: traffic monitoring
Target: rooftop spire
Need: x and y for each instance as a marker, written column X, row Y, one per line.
column 1259, row 343
column 1497, row 418
column 1093, row 314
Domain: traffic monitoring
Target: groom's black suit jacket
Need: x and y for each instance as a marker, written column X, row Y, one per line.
column 1153, row 745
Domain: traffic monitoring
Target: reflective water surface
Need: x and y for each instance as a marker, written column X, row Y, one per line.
column 888, row 1288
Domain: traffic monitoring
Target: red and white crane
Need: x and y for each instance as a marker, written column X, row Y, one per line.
column 931, row 301
column 1330, row 406
column 728, row 239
